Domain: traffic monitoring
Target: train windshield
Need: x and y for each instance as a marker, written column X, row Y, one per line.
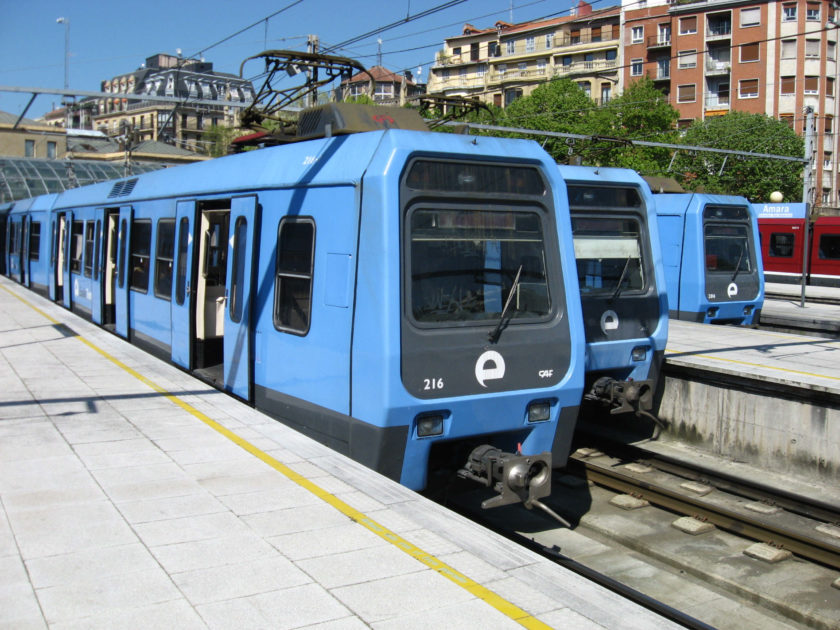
column 609, row 254
column 728, row 248
column 468, row 264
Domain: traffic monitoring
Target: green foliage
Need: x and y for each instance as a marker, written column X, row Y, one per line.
column 217, row 139
column 754, row 178
column 362, row 99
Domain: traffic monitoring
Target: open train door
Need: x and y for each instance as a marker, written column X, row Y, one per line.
column 54, row 269
column 67, row 247
column 123, row 272
column 238, row 343
column 183, row 294
column 25, row 226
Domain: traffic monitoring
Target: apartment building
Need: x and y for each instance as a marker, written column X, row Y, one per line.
column 772, row 57
column 389, row 88
column 508, row 61
column 181, row 124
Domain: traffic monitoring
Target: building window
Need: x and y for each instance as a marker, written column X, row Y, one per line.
column 826, row 195
column 510, row 47
column 456, row 50
column 586, row 87
column 29, row 148
column 611, row 54
column 749, row 52
column 829, row 86
column 788, row 49
column 750, row 17
column 530, row 45
column 812, row 48
column 788, row 85
column 596, row 34
column 502, row 69
column 789, row 13
column 829, row 124
column 687, row 59
column 541, row 63
column 164, row 252
column 664, row 34
column 636, row 68
column 575, row 36
column 141, row 239
column 567, row 61
column 493, row 49
column 474, row 52
column 637, row 35
column 293, row 281
column 384, row 90
column 481, row 70
column 686, row 93
column 549, row 40
column 511, row 95
column 688, row 25
column 606, row 92
column 830, row 50
column 523, row 68
column 812, row 85
column 827, row 160
column 787, row 119
column 51, row 150
column 812, row 12
column 748, row 88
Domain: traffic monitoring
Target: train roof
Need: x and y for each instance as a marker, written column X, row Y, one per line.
column 41, row 202
column 322, row 162
column 609, row 174
column 693, row 203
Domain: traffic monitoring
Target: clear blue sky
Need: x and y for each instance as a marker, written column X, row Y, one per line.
column 109, row 38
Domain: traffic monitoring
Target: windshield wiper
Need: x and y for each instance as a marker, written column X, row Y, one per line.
column 497, row 331
column 738, row 264
column 621, row 278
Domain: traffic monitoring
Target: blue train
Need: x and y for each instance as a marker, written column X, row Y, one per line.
column 710, row 247
column 622, row 285
column 4, row 214
column 406, row 297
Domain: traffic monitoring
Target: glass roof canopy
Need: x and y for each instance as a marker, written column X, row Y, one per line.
column 22, row 178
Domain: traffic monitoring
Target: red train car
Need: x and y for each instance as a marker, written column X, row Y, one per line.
column 782, row 242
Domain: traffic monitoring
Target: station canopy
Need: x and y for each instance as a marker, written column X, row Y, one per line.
column 21, row 178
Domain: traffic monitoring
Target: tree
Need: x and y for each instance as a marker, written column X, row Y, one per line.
column 217, row 140
column 641, row 112
column 753, row 178
column 559, row 105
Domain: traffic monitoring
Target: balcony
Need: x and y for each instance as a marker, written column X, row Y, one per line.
column 717, row 102
column 719, row 30
column 659, row 41
column 660, row 74
column 718, row 66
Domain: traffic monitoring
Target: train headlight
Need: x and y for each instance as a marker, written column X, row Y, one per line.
column 429, row 425
column 748, row 310
column 712, row 312
column 639, row 353
column 539, row 411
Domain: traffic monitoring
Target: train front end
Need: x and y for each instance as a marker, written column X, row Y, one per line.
column 622, row 285
column 484, row 344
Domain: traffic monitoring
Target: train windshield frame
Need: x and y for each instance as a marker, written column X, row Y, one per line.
column 728, row 241
column 466, row 263
column 608, row 229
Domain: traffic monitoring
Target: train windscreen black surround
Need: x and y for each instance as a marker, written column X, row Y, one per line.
column 482, row 290
column 729, row 253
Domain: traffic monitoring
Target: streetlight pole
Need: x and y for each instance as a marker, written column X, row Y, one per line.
column 66, row 22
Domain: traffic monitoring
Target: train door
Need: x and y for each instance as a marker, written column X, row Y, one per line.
column 58, row 256
column 25, row 224
column 67, row 248
column 97, row 301
column 121, row 325
column 108, row 258
column 238, row 331
column 183, row 297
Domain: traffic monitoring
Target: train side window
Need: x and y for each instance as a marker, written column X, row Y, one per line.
column 781, row 245
column 829, row 248
column 34, row 240
column 240, row 242
column 141, row 238
column 293, row 281
column 183, row 245
column 76, row 246
column 163, row 258
column 96, row 261
column 88, row 248
column 121, row 258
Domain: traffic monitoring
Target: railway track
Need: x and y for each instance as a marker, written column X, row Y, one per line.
column 698, row 536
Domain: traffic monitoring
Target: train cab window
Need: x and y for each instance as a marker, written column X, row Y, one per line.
column 34, row 240
column 240, row 242
column 164, row 251
column 89, row 248
column 76, row 246
column 829, row 247
column 727, row 248
column 608, row 253
column 141, row 239
column 293, row 282
column 781, row 245
column 183, row 246
column 466, row 265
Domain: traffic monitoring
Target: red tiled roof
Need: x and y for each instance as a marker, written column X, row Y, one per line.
column 379, row 74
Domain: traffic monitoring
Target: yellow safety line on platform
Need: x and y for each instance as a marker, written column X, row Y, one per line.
column 755, row 365
column 499, row 603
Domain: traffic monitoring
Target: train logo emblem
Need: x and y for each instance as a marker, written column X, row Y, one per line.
column 732, row 290
column 489, row 367
column 609, row 321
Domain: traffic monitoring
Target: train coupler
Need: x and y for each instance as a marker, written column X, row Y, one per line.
column 624, row 396
column 516, row 478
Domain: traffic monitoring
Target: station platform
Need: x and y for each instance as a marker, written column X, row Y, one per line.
column 133, row 495
column 765, row 398
column 819, row 315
